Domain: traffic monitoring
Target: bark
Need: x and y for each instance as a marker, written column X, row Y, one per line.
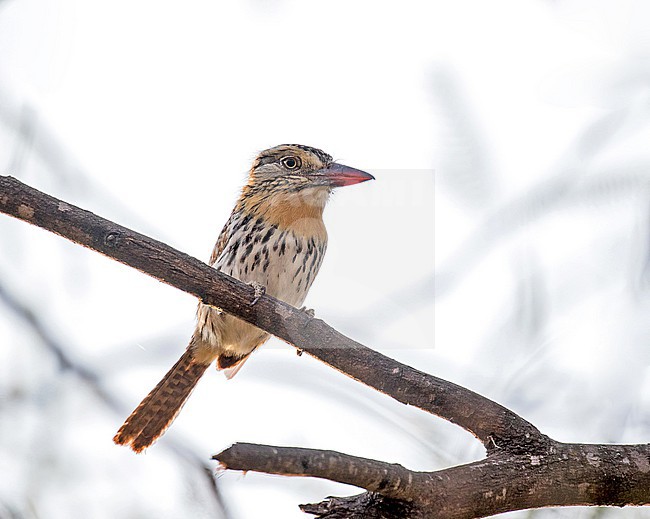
column 523, row 468
column 558, row 475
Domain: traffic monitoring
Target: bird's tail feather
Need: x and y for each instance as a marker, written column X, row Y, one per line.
column 160, row 407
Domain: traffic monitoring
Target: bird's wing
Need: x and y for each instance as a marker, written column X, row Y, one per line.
column 222, row 241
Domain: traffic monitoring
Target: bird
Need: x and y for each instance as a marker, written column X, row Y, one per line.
column 274, row 240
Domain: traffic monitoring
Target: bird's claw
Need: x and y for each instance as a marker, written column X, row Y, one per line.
column 309, row 311
column 260, row 290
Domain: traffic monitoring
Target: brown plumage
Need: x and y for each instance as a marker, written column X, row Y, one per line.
column 274, row 239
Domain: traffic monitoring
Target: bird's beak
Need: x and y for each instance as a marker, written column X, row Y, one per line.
column 338, row 175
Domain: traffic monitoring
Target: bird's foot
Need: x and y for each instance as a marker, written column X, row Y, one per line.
column 309, row 311
column 260, row 290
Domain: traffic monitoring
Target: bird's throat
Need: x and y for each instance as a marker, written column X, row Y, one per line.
column 300, row 212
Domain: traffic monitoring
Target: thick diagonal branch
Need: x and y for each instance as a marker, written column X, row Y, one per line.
column 492, row 423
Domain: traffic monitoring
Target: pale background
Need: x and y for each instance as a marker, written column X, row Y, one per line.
column 514, row 132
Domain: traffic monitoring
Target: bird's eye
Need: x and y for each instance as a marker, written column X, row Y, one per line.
column 291, row 163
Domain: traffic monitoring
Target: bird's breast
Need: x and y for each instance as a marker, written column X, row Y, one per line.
column 284, row 260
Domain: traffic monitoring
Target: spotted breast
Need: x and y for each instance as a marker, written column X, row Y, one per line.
column 280, row 256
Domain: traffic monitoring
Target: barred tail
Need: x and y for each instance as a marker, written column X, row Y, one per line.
column 159, row 408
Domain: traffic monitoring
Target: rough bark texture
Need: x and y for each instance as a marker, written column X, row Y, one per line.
column 556, row 474
column 523, row 468
column 362, row 506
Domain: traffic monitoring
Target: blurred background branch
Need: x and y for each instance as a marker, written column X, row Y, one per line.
column 93, row 382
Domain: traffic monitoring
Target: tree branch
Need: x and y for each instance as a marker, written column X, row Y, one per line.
column 564, row 475
column 391, row 479
column 524, row 468
column 487, row 420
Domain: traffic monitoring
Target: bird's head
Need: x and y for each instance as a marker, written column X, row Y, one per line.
column 290, row 184
column 294, row 168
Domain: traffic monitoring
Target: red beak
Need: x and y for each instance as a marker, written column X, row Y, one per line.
column 338, row 175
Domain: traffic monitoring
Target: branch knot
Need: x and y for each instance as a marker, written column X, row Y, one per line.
column 113, row 239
